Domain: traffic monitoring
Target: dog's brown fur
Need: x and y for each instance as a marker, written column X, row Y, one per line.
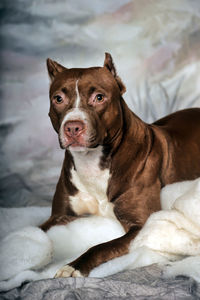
column 142, row 158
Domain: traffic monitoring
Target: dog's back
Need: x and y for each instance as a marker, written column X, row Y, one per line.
column 182, row 131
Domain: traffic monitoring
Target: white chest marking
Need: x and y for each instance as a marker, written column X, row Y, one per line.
column 92, row 183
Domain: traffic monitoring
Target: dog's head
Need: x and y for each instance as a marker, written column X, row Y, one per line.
column 85, row 105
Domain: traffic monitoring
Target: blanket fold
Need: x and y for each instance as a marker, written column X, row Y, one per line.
column 170, row 237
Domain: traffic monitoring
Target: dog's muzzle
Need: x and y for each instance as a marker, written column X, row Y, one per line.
column 80, row 129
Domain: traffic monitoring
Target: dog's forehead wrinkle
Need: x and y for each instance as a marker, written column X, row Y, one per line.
column 64, row 90
column 75, row 73
column 88, row 78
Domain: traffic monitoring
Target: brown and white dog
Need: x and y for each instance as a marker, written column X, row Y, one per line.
column 115, row 164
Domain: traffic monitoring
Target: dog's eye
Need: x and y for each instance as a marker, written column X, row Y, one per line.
column 99, row 98
column 58, row 99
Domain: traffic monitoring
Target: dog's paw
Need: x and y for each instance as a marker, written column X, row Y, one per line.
column 68, row 271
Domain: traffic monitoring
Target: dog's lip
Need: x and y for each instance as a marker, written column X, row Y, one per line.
column 79, row 145
column 76, row 144
column 91, row 143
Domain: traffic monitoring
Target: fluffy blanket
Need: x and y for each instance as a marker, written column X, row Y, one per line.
column 170, row 237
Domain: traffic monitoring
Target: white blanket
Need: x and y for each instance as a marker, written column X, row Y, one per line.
column 170, row 237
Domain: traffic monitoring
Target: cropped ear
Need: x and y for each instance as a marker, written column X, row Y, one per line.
column 54, row 68
column 109, row 64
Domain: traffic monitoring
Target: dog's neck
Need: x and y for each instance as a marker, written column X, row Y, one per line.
column 132, row 131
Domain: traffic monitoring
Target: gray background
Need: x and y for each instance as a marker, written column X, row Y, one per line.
column 155, row 46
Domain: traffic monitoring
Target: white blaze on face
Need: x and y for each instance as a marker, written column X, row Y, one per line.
column 73, row 114
column 78, row 99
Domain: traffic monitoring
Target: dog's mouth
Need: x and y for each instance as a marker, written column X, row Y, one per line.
column 73, row 134
column 79, row 143
column 79, row 135
column 72, row 143
column 78, row 146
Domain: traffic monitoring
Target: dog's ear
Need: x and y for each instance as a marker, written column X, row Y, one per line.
column 54, row 68
column 109, row 64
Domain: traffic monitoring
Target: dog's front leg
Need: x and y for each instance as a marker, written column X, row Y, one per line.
column 98, row 254
column 61, row 213
column 132, row 210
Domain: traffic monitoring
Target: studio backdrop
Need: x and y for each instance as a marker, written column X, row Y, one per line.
column 155, row 46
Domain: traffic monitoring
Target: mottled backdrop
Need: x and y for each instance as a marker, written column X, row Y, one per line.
column 155, row 45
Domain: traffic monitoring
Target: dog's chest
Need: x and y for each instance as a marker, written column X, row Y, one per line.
column 92, row 183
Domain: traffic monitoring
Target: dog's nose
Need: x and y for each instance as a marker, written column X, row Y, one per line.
column 74, row 128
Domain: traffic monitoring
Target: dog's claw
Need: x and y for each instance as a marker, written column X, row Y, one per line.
column 67, row 271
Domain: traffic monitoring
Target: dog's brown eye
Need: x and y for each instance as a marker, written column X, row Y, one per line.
column 99, row 98
column 58, row 99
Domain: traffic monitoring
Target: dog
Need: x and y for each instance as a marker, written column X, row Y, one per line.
column 115, row 164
